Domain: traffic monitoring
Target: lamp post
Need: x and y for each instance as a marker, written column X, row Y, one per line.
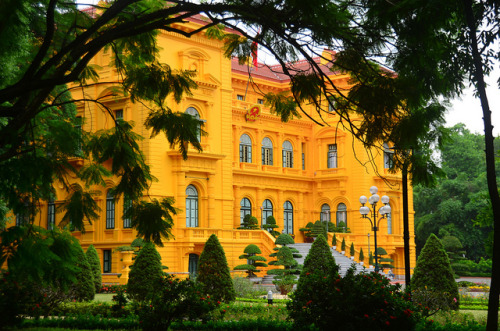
column 383, row 211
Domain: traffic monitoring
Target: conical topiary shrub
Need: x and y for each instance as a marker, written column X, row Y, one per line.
column 145, row 273
column 342, row 246
column 318, row 229
column 361, row 255
column 310, row 288
column 213, row 271
column 254, row 261
column 95, row 266
column 351, row 250
column 434, row 276
column 84, row 288
column 334, row 240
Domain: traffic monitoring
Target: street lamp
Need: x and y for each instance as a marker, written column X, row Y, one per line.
column 383, row 211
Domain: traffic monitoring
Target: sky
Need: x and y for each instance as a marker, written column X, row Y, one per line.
column 467, row 109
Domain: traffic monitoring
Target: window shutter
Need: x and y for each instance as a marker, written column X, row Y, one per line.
column 270, row 156
column 263, row 156
column 284, row 159
column 249, row 154
column 241, row 153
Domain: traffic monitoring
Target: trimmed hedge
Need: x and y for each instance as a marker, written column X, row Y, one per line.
column 246, row 325
column 87, row 322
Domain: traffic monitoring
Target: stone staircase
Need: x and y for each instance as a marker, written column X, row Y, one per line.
column 342, row 261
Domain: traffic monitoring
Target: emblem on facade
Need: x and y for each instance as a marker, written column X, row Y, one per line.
column 252, row 113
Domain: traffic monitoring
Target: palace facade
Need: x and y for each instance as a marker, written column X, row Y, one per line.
column 252, row 163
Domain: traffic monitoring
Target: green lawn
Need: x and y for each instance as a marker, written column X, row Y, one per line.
column 104, row 297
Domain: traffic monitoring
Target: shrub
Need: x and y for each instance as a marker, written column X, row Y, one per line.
column 213, row 271
column 95, row 266
column 354, row 302
column 433, row 274
column 383, row 262
column 284, row 239
column 284, row 278
column 307, row 229
column 254, row 261
column 334, row 240
column 145, row 273
column 271, row 226
column 175, row 300
column 351, row 250
column 84, row 288
column 318, row 229
column 249, row 223
column 318, row 263
column 342, row 246
column 361, row 255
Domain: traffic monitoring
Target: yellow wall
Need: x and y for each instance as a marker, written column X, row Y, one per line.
column 222, row 180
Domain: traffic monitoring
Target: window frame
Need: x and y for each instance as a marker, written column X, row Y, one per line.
column 332, row 157
column 192, row 207
column 267, row 210
column 106, row 261
column 245, row 208
column 110, row 211
column 267, row 151
column 245, row 148
column 287, row 154
column 341, row 214
column 288, row 217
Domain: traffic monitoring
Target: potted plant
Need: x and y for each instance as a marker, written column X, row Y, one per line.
column 306, row 231
column 342, row 246
column 351, row 251
column 334, row 241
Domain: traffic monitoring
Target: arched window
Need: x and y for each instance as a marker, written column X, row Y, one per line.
column 332, row 156
column 388, row 156
column 193, row 265
column 267, row 151
column 325, row 213
column 193, row 112
column 245, row 209
column 267, row 210
column 245, row 149
column 342, row 214
column 287, row 154
column 110, row 211
column 127, row 204
column 288, row 217
column 191, row 207
column 51, row 215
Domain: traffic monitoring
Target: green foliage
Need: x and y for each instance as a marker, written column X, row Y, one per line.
column 84, row 288
column 459, row 202
column 370, row 259
column 175, row 300
column 284, row 239
column 318, row 229
column 213, row 271
column 249, row 223
column 145, row 273
column 383, row 262
column 86, row 321
column 153, row 220
column 354, row 302
column 351, row 250
column 342, row 246
column 433, row 274
column 318, row 263
column 95, row 266
column 119, row 303
column 285, row 278
column 361, row 255
column 467, row 268
column 271, row 226
column 307, row 229
column 334, row 240
column 244, row 288
column 253, row 260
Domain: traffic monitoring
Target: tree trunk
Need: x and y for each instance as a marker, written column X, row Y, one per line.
column 492, row 321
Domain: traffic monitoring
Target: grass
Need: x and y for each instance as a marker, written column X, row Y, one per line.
column 104, row 297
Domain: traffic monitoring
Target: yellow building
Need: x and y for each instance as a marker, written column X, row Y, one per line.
column 251, row 163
